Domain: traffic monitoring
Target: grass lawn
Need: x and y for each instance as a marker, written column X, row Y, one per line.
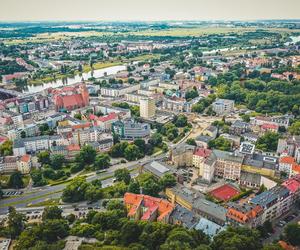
column 47, row 202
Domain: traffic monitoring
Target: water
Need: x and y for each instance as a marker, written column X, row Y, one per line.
column 76, row 79
column 295, row 39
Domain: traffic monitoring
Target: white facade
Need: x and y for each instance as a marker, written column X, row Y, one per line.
column 223, row 106
column 147, row 108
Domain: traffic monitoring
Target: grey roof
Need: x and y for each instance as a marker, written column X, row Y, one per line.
column 208, row 227
column 229, row 156
column 59, row 148
column 18, row 143
column 250, row 177
column 244, row 208
column 185, row 216
column 269, row 197
column 261, row 161
column 203, row 138
column 181, row 148
column 239, row 124
column 158, row 168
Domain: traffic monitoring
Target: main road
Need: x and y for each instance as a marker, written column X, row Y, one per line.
column 36, row 195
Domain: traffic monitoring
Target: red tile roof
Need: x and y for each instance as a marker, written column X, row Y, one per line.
column 202, row 152
column 269, row 126
column 73, row 147
column 25, row 158
column 109, row 117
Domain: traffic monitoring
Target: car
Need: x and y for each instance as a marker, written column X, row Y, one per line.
column 89, row 208
column 76, row 209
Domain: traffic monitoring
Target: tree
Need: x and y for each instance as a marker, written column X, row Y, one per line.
column 6, row 148
column 118, row 149
column 268, row 142
column 75, row 191
column 123, row 174
column 130, row 231
column 191, row 141
column 167, row 181
column 292, row 234
column 180, row 121
column 220, row 143
column 44, row 157
column 134, row 187
column 132, row 152
column 102, row 161
column 37, row 178
column 294, row 129
column 78, row 116
column 115, row 205
column 15, row 180
column 57, row 161
column 86, row 155
column 23, row 134
column 93, row 193
column 155, row 139
column 51, row 213
column 239, row 238
column 272, row 247
column 151, row 187
column 15, row 222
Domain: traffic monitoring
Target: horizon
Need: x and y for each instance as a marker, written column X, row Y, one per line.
column 141, row 10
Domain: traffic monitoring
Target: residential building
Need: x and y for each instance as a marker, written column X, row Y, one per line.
column 147, row 108
column 249, row 215
column 118, row 90
column 182, row 155
column 25, row 164
column 223, row 106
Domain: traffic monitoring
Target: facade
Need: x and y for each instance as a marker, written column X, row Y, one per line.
column 119, row 90
column 130, row 130
column 182, row 155
column 147, row 108
column 176, row 104
column 223, row 106
column 25, row 164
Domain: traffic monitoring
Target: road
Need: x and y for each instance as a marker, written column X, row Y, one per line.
column 37, row 195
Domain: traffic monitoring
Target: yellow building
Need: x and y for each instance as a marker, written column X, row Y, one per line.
column 259, row 170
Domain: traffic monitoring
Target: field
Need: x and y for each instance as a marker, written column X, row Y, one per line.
column 172, row 32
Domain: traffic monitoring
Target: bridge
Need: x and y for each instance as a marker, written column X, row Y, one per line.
column 8, row 93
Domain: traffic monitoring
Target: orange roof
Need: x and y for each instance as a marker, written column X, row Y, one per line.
column 81, row 126
column 73, row 147
column 25, row 158
column 243, row 217
column 287, row 160
column 202, row 152
column 286, row 246
column 151, row 204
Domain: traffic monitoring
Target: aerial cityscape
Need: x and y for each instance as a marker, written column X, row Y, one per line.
column 124, row 128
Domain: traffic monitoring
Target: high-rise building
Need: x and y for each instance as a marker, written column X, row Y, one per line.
column 147, row 108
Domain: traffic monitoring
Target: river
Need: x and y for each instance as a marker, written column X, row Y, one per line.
column 295, row 39
column 76, row 79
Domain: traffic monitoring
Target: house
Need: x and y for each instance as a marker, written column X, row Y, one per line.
column 287, row 164
column 119, row 90
column 8, row 164
column 211, row 131
column 290, row 146
column 104, row 122
column 269, row 127
column 147, row 208
column 203, row 140
column 255, row 181
column 25, row 164
column 249, row 215
column 251, row 137
column 199, row 156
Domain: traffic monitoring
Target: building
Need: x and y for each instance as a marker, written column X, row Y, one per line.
column 249, row 215
column 275, row 202
column 158, row 169
column 118, row 90
column 184, row 217
column 70, row 98
column 25, row 164
column 8, row 164
column 290, row 146
column 208, row 227
column 130, row 130
column 199, row 156
column 287, row 164
column 176, row 104
column 147, row 108
column 255, row 181
column 147, row 208
column 182, row 155
column 223, row 106
column 239, row 127
column 228, row 165
column 196, row 202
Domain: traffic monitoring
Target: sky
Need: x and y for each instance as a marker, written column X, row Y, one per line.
column 147, row 10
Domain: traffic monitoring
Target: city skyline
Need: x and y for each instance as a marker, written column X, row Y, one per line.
column 134, row 10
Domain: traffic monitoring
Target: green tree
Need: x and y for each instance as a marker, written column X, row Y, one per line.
column 132, row 152
column 75, row 191
column 292, row 234
column 51, row 213
column 273, row 246
column 268, row 142
column 167, row 181
column 37, row 178
column 78, row 116
column 134, row 187
column 6, row 148
column 93, row 193
column 220, row 143
column 130, row 231
column 123, row 174
column 44, row 157
column 294, row 129
column 86, row 155
column 239, row 238
column 102, row 161
column 57, row 161
column 156, row 139
column 191, row 141
column 15, row 180
column 15, row 222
